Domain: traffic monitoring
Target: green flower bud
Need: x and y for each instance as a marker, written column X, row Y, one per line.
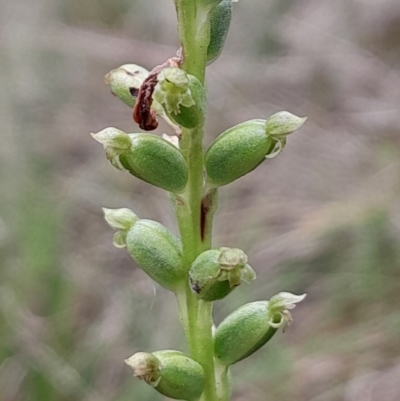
column 182, row 96
column 125, row 82
column 146, row 156
column 217, row 272
column 242, row 148
column 157, row 251
column 171, row 373
column 220, row 19
column 251, row 326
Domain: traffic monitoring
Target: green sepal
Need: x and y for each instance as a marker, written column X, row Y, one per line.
column 283, row 123
column 171, row 373
column 217, row 272
column 220, row 19
column 182, row 96
column 146, row 156
column 251, row 326
column 157, row 251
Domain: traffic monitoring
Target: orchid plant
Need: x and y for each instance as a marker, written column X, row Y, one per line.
column 188, row 265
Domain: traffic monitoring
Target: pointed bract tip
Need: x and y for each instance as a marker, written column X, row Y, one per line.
column 285, row 300
column 283, row 123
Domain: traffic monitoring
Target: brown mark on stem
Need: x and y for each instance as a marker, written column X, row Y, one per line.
column 207, row 208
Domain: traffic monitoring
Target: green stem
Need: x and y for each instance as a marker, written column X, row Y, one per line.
column 194, row 33
column 195, row 315
column 223, row 382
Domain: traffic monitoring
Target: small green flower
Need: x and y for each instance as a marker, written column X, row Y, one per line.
column 154, row 248
column 217, row 272
column 146, row 156
column 242, row 148
column 280, row 306
column 251, row 326
column 182, row 96
column 173, row 90
column 279, row 126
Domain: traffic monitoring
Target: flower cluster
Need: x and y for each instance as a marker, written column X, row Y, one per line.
column 196, row 272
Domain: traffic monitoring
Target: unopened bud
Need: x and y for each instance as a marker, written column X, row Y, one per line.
column 154, row 248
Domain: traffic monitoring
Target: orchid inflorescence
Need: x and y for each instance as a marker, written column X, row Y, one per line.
column 188, row 265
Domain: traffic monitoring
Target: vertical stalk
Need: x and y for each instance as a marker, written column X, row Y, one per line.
column 196, row 316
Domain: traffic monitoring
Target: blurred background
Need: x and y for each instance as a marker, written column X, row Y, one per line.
column 322, row 218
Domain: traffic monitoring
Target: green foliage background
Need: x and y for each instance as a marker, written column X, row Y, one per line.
column 322, row 218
